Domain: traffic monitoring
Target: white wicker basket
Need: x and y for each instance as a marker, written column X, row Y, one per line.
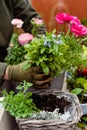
column 76, row 112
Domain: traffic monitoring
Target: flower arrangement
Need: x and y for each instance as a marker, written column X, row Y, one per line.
column 16, row 51
column 53, row 52
column 56, row 52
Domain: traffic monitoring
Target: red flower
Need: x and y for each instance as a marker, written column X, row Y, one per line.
column 84, row 71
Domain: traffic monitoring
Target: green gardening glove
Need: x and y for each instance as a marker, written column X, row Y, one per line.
column 33, row 74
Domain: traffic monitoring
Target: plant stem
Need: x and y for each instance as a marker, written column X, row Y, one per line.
column 67, row 33
column 83, row 40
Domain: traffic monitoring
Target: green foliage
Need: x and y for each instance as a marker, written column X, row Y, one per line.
column 54, row 53
column 77, row 91
column 80, row 89
column 81, row 86
column 83, row 123
column 16, row 52
column 83, row 82
column 20, row 105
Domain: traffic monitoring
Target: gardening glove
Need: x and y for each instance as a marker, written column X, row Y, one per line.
column 33, row 74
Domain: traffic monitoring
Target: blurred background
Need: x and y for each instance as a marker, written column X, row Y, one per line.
column 49, row 8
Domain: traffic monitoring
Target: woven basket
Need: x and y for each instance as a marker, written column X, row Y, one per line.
column 76, row 113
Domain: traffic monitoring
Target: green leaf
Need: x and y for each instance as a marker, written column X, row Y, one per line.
column 26, row 66
column 77, row 91
column 42, row 50
column 84, row 118
column 14, row 38
column 83, row 82
column 81, row 125
column 45, row 69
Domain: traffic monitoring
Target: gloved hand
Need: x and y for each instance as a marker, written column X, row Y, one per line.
column 33, row 74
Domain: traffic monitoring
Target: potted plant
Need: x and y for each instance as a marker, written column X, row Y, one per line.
column 78, row 86
column 55, row 53
column 16, row 51
column 41, row 109
column 52, row 52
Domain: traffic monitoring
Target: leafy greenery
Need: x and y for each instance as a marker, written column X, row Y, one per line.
column 83, row 123
column 19, row 105
column 54, row 53
column 79, row 88
column 16, row 52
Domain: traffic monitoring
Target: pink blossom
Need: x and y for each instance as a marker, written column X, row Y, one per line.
column 24, row 38
column 63, row 17
column 78, row 29
column 17, row 22
column 74, row 20
column 37, row 21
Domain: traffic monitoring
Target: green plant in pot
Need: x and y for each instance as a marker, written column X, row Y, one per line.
column 41, row 105
column 55, row 53
column 52, row 52
column 16, row 51
column 79, row 87
column 19, row 105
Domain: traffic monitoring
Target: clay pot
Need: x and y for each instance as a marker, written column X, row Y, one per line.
column 48, row 10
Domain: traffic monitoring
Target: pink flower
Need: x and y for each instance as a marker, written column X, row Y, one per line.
column 17, row 22
column 37, row 21
column 63, row 17
column 74, row 20
column 78, row 29
column 24, row 38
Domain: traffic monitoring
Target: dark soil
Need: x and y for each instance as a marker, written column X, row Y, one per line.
column 50, row 102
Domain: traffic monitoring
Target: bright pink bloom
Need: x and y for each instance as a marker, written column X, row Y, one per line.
column 74, row 20
column 24, row 38
column 78, row 29
column 38, row 21
column 63, row 17
column 17, row 22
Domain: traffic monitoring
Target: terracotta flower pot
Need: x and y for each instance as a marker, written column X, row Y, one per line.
column 48, row 10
